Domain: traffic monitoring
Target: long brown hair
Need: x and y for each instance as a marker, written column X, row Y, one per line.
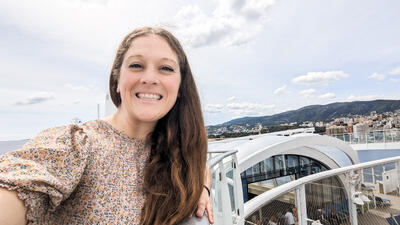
column 174, row 176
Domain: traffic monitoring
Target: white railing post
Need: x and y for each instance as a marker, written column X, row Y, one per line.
column 226, row 201
column 391, row 134
column 373, row 175
column 350, row 193
column 373, row 133
column 301, row 204
column 238, row 190
column 398, row 177
column 384, row 136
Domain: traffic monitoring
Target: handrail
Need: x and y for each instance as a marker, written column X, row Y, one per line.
column 213, row 161
column 366, row 132
column 252, row 205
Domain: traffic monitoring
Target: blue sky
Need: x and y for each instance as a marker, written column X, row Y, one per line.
column 249, row 58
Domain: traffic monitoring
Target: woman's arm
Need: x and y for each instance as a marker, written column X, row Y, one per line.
column 205, row 200
column 12, row 209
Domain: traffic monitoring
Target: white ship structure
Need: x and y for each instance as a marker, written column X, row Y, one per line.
column 264, row 179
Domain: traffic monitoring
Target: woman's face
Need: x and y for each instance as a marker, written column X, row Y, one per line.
column 149, row 79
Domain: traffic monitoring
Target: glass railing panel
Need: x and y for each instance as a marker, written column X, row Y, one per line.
column 388, row 136
column 339, row 136
column 396, row 136
column 275, row 211
column 370, row 137
column 378, row 136
column 347, row 137
column 362, row 138
column 354, row 139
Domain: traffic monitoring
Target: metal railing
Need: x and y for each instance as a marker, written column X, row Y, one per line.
column 377, row 136
column 226, row 193
column 335, row 197
column 316, row 200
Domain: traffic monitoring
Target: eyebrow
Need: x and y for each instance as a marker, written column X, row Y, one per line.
column 164, row 58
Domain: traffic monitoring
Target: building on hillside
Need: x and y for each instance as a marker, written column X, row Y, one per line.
column 349, row 128
column 335, row 130
column 360, row 130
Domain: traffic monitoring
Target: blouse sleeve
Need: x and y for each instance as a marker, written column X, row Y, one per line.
column 46, row 170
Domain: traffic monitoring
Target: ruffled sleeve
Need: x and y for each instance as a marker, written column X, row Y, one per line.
column 46, row 170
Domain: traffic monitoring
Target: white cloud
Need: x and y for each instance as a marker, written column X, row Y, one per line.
column 395, row 71
column 394, row 80
column 240, row 109
column 307, row 92
column 231, row 99
column 80, row 87
column 327, row 96
column 101, row 2
column 364, row 98
column 377, row 76
column 214, row 108
column 320, row 77
column 58, row 23
column 231, row 23
column 280, row 90
column 36, row 98
column 249, row 109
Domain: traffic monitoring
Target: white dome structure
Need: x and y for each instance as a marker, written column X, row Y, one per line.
column 330, row 151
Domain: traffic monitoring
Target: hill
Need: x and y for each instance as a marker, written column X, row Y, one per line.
column 313, row 113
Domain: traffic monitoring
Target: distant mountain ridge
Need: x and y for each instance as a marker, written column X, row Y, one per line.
column 317, row 113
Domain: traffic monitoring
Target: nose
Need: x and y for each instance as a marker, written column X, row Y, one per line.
column 149, row 76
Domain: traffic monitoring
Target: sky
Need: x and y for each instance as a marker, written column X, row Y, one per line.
column 249, row 58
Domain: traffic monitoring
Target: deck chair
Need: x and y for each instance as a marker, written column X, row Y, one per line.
column 391, row 221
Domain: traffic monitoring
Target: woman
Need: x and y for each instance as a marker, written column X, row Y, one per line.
column 143, row 165
column 272, row 221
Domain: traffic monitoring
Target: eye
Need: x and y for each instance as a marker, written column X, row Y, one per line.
column 167, row 68
column 135, row 66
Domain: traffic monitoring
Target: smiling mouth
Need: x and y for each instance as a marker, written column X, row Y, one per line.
column 147, row 96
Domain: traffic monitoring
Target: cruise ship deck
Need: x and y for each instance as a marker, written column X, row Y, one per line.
column 318, row 179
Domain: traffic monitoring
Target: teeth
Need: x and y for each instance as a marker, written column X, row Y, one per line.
column 149, row 96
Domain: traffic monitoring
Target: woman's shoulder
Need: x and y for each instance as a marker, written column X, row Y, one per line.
column 62, row 137
column 62, row 134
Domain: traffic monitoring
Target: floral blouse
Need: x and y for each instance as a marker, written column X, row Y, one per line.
column 86, row 174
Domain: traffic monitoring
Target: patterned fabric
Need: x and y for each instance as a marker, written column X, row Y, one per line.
column 87, row 174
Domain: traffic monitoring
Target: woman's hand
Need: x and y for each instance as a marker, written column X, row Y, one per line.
column 205, row 203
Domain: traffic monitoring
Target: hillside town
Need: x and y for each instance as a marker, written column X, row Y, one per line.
column 362, row 124
column 342, row 125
